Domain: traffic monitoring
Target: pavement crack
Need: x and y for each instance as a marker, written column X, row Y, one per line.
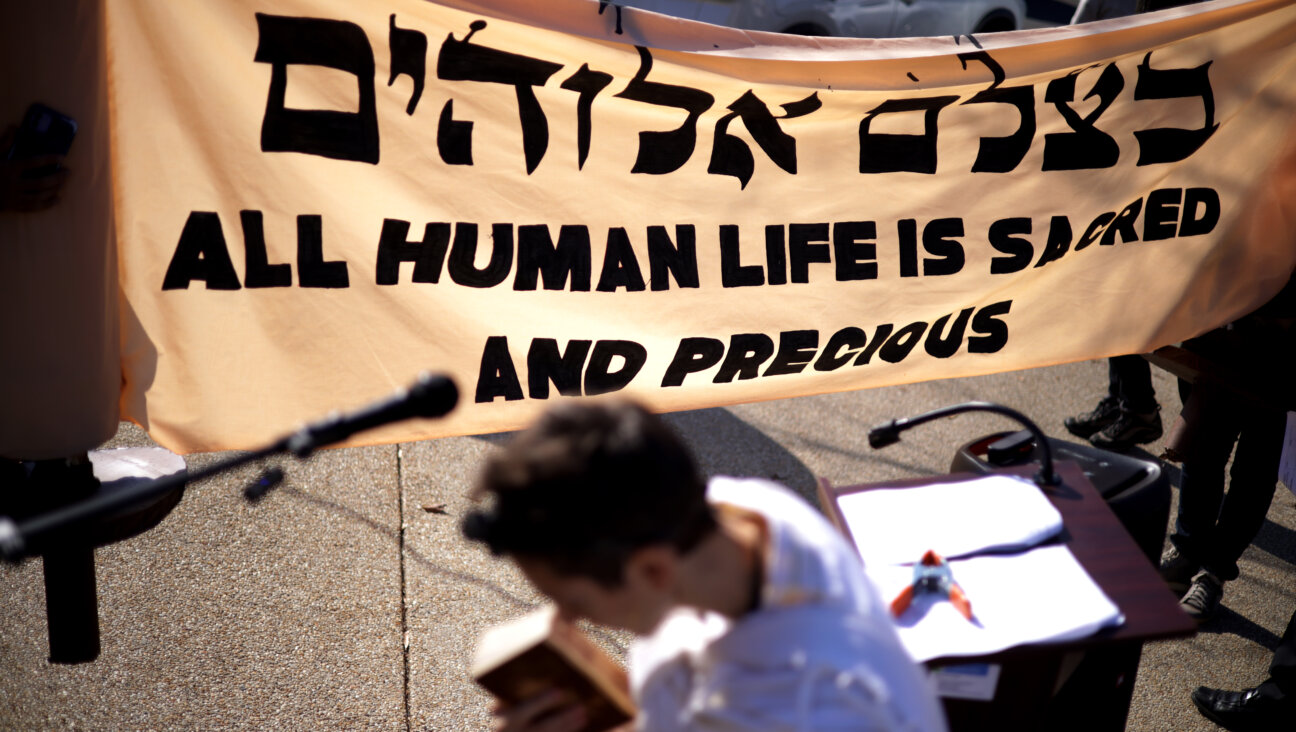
column 404, row 612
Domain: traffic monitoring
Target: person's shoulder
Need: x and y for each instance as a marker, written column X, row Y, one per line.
column 756, row 494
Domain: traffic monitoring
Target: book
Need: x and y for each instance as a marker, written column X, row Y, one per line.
column 516, row 660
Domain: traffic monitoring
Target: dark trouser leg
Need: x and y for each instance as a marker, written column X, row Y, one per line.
column 1201, row 489
column 1252, row 480
column 1281, row 684
column 1130, row 381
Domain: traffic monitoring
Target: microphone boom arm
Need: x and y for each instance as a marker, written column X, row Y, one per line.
column 889, row 433
column 429, row 396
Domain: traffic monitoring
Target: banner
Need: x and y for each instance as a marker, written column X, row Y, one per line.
column 318, row 199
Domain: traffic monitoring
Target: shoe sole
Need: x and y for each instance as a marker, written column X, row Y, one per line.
column 1082, row 434
column 1121, row 445
column 1085, row 431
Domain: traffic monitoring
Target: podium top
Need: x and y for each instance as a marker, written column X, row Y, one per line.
column 1094, row 535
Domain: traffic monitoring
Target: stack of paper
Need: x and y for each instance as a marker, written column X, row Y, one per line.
column 1035, row 595
column 998, row 512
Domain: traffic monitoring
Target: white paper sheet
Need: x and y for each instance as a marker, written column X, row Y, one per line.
column 894, row 526
column 1040, row 595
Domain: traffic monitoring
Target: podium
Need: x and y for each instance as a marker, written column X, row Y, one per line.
column 1080, row 684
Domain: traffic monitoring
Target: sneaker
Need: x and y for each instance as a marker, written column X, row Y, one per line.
column 1202, row 600
column 1129, row 429
column 1084, row 425
column 1177, row 570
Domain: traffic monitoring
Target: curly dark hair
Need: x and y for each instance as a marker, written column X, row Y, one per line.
column 586, row 486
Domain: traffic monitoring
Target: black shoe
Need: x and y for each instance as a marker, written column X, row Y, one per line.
column 1242, row 711
column 1129, row 429
column 1084, row 425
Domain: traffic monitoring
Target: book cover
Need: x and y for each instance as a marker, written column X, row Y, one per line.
column 517, row 660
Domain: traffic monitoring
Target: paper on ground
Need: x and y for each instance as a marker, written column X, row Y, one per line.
column 1041, row 595
column 894, row 526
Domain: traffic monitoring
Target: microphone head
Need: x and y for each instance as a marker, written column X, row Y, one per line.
column 883, row 435
column 432, row 395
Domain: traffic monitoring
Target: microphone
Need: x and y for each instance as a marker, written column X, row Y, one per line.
column 888, row 433
column 432, row 395
column 429, row 396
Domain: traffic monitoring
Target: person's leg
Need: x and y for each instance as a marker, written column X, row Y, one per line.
column 1269, row 706
column 1252, row 480
column 1281, row 684
column 1131, row 380
column 1201, row 487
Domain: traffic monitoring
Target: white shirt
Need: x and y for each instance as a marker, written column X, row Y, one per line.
column 820, row 653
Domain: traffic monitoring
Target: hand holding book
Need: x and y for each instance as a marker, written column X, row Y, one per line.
column 549, row 677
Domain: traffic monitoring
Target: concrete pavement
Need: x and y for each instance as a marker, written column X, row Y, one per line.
column 346, row 599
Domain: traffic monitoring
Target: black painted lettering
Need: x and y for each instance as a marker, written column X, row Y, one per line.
column 1095, row 229
column 807, row 244
column 467, row 61
column 692, row 356
column 546, row 363
column 1003, row 237
column 312, row 270
column 539, row 256
column 463, row 256
column 854, row 250
column 1201, row 211
column 1087, row 146
column 1059, row 240
column 991, row 329
column 939, row 241
column 333, row 44
column 879, row 338
column 1002, row 154
column 427, row 255
column 664, row 256
column 1171, row 144
column 620, row 266
column 1123, row 224
column 601, row 378
column 587, row 84
column 733, row 273
column 841, row 348
column 907, row 229
column 408, row 57
column 258, row 272
column 890, row 153
column 201, row 254
column 776, row 254
column 747, row 351
column 730, row 155
column 665, row 152
column 497, row 376
column 944, row 346
column 899, row 345
column 796, row 349
column 1161, row 219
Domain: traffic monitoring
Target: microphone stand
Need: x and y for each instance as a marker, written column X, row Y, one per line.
column 430, row 396
column 889, row 433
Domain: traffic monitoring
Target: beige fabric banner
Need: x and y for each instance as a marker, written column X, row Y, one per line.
column 318, row 199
